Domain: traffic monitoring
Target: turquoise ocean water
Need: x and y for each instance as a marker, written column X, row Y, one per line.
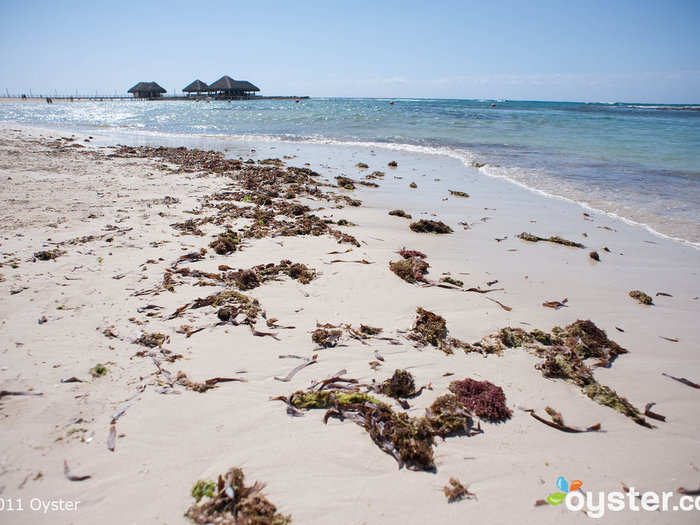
column 639, row 162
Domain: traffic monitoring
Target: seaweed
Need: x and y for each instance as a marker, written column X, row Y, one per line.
column 225, row 243
column 429, row 329
column 370, row 330
column 455, row 491
column 361, row 165
column 556, row 304
column 447, row 416
column 594, row 256
column 393, row 164
column 483, row 398
column 429, row 226
column 410, row 270
column 98, row 370
column 400, row 384
column 641, row 297
column 152, row 340
column 557, row 421
column 413, row 185
column 455, row 193
column 653, row 415
column 182, row 379
column 553, row 239
column 48, row 255
column 345, row 182
column 400, row 213
column 450, row 280
column 326, row 338
column 683, row 380
column 408, row 254
column 228, row 501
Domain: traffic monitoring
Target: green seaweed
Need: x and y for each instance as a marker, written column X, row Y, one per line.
column 450, row 280
column 641, row 297
column 455, row 193
column 98, row 370
column 203, row 488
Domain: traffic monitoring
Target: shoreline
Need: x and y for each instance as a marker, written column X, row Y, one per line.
column 220, row 143
column 344, row 473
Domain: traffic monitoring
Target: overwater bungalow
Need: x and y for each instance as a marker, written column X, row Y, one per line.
column 226, row 87
column 198, row 87
column 147, row 90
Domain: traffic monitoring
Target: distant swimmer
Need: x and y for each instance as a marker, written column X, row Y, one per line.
column 493, row 105
column 391, row 103
column 296, row 101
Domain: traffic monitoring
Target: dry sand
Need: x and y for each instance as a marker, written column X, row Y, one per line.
column 320, row 473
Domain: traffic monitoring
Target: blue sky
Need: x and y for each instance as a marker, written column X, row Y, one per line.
column 636, row 51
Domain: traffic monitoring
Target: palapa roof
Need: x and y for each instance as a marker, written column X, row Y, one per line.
column 226, row 83
column 152, row 87
column 196, row 86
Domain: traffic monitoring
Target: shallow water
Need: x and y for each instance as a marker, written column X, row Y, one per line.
column 639, row 162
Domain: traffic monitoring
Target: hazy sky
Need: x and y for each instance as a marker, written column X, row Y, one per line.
column 592, row 50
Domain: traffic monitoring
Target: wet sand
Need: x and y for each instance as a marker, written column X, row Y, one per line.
column 168, row 438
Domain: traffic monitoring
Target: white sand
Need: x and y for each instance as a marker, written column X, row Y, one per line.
column 321, row 473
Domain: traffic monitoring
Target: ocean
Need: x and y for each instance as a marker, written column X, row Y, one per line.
column 639, row 162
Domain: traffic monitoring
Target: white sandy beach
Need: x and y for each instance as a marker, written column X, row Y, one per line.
column 323, row 473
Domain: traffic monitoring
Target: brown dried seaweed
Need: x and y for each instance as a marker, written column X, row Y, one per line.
column 230, row 502
column 455, row 491
column 429, row 226
column 683, row 380
column 556, row 304
column 411, row 270
column 400, row 213
column 48, row 255
column 4, row 393
column 653, row 415
column 553, row 239
column 455, row 193
column 400, row 385
column 558, row 422
column 326, row 338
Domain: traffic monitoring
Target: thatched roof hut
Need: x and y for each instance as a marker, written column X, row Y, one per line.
column 197, row 87
column 229, row 87
column 147, row 90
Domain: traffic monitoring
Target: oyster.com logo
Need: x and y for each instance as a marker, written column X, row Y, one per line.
column 555, row 498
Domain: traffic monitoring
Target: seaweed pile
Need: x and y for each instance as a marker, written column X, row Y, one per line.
column 328, row 335
column 428, row 226
column 400, row 213
column 264, row 191
column 400, row 385
column 483, row 398
column 409, row 440
column 229, row 501
column 641, row 297
column 412, row 267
